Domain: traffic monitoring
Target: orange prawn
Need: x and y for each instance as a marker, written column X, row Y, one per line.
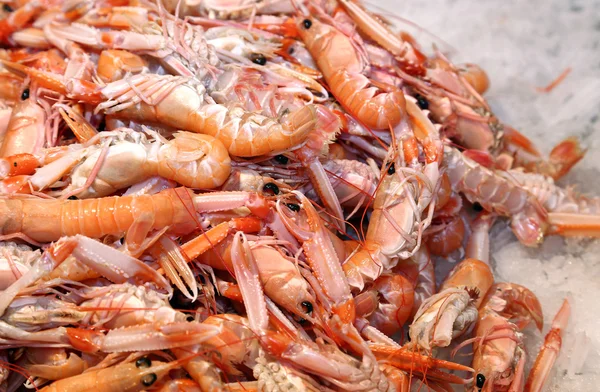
column 46, row 220
column 125, row 377
column 343, row 68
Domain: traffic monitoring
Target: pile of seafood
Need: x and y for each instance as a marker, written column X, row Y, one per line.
column 253, row 195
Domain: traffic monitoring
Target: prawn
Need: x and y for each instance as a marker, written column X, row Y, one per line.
column 179, row 102
column 406, row 191
column 125, row 377
column 343, row 69
column 25, row 133
column 193, row 160
column 47, row 220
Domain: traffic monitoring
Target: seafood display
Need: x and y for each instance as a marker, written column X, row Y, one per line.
column 253, row 196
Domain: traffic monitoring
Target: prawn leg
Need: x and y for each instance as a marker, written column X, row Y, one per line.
column 549, row 351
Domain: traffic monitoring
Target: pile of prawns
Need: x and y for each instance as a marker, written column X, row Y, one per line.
column 251, row 195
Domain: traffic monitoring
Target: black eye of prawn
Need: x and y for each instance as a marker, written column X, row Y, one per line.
column 307, row 307
column 143, row 363
column 293, row 207
column 269, row 187
column 480, row 380
column 422, row 102
column 391, row 169
column 7, row 8
column 307, row 23
column 282, row 159
column 149, row 379
column 258, row 58
column 25, row 94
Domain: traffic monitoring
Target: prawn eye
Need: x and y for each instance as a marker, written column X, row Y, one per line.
column 25, row 94
column 307, row 23
column 282, row 159
column 293, row 207
column 269, row 187
column 149, row 379
column 258, row 58
column 391, row 169
column 307, row 307
column 422, row 102
column 477, row 207
column 7, row 8
column 480, row 380
column 143, row 363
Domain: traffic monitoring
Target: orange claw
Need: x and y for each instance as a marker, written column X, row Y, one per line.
column 564, row 156
column 83, row 339
column 230, row 290
column 514, row 137
column 217, row 234
column 15, row 184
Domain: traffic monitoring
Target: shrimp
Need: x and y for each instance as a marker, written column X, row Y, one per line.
column 456, row 105
column 137, row 376
column 321, row 256
column 404, row 52
column 193, row 160
column 343, row 68
column 495, row 193
column 280, row 277
column 282, row 281
column 179, row 103
column 499, row 358
column 48, row 220
column 25, row 133
column 449, row 313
